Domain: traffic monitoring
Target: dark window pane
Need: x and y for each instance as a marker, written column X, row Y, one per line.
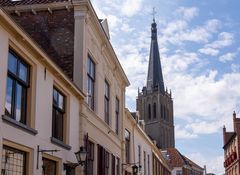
column 8, row 104
column 55, row 97
column 23, row 72
column 12, row 63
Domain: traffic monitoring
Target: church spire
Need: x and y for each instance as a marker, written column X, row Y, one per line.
column 155, row 77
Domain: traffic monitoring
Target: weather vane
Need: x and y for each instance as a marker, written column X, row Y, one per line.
column 153, row 13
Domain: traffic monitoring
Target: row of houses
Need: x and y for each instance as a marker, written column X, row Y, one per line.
column 63, row 91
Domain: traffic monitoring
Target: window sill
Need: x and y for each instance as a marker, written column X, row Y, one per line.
column 60, row 143
column 19, row 125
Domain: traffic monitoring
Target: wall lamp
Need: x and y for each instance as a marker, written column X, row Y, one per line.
column 81, row 157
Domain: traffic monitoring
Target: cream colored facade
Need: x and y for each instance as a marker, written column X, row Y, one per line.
column 142, row 149
column 82, row 124
column 38, row 130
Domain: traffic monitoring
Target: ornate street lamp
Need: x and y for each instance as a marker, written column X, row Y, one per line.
column 81, row 156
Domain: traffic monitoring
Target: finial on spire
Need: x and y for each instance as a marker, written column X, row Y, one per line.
column 153, row 13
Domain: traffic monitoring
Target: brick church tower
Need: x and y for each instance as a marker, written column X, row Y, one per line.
column 154, row 103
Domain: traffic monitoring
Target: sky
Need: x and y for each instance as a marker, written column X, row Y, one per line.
column 200, row 55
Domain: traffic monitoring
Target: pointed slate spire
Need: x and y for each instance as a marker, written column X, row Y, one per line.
column 155, row 77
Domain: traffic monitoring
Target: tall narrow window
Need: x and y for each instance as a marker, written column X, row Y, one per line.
column 17, row 86
column 113, row 165
column 13, row 161
column 149, row 112
column 144, row 163
column 139, row 155
column 90, row 82
column 58, row 112
column 161, row 111
column 117, row 115
column 154, row 110
column 118, row 166
column 90, row 158
column 127, row 146
column 106, row 156
column 148, row 157
column 106, row 102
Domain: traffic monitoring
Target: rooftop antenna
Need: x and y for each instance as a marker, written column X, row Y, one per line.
column 154, row 13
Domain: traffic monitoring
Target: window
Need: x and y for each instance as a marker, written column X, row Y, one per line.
column 178, row 172
column 90, row 82
column 139, row 154
column 49, row 167
column 148, row 164
column 13, row 161
column 117, row 115
column 154, row 110
column 118, row 166
column 113, row 165
column 106, row 102
column 144, row 161
column 90, row 158
column 161, row 111
column 106, row 158
column 127, row 146
column 149, row 111
column 17, row 87
column 58, row 112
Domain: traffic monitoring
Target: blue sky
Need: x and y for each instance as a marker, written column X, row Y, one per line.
column 199, row 47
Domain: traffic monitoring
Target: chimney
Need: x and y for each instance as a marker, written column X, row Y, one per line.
column 234, row 121
column 224, row 135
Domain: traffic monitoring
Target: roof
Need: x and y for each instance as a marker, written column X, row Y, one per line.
column 27, row 2
column 176, row 159
column 155, row 77
column 229, row 137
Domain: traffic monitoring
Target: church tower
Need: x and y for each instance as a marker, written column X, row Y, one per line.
column 155, row 103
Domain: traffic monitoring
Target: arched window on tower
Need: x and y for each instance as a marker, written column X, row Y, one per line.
column 154, row 110
column 161, row 111
column 164, row 113
column 149, row 112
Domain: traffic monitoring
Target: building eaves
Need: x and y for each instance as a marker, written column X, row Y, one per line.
column 27, row 2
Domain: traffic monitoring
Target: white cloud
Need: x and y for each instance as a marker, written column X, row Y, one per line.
column 178, row 31
column 227, row 57
column 209, row 51
column 187, row 13
column 204, row 127
column 131, row 7
column 213, row 164
column 182, row 133
column 224, row 39
column 235, row 67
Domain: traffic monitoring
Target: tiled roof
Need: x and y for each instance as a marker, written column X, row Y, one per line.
column 27, row 2
column 176, row 159
column 229, row 137
column 54, row 33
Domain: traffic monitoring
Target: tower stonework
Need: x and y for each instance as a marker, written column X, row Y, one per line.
column 154, row 102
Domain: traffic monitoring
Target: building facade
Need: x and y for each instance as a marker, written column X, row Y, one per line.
column 231, row 148
column 180, row 164
column 62, row 87
column 154, row 102
column 140, row 149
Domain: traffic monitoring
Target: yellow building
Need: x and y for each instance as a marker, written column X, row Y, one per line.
column 62, row 88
